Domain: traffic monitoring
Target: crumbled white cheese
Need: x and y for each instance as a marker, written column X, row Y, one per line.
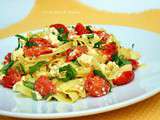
column 85, row 59
column 53, row 39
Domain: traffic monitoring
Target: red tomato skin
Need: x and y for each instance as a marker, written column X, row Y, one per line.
column 41, row 42
column 125, row 78
column 36, row 51
column 7, row 58
column 96, row 86
column 80, row 29
column 11, row 78
column 79, row 51
column 58, row 26
column 104, row 36
column 135, row 63
column 44, row 86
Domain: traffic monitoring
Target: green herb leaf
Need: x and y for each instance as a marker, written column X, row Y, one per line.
column 98, row 45
column 19, row 44
column 22, row 37
column 22, row 68
column 30, row 44
column 90, row 36
column 6, row 67
column 76, row 62
column 99, row 73
column 119, row 60
column 60, row 30
column 88, row 27
column 28, row 84
column 63, row 37
column 70, row 73
column 36, row 67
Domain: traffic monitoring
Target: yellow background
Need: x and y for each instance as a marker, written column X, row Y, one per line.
column 46, row 12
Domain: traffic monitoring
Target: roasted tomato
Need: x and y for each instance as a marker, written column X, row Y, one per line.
column 41, row 42
column 96, row 86
column 36, row 51
column 110, row 50
column 11, row 78
column 135, row 63
column 125, row 78
column 60, row 26
column 44, row 86
column 74, row 54
column 7, row 58
column 80, row 29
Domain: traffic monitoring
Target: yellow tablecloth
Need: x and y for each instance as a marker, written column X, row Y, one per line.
column 46, row 12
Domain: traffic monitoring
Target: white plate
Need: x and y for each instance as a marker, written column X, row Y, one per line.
column 145, row 84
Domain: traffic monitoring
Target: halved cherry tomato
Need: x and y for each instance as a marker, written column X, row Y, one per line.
column 41, row 42
column 74, row 54
column 11, row 78
column 110, row 49
column 125, row 78
column 44, row 86
column 96, row 86
column 80, row 29
column 36, row 51
column 104, row 36
column 59, row 26
column 7, row 58
column 135, row 63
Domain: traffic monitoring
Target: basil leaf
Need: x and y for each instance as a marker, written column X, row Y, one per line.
column 76, row 62
column 119, row 60
column 28, row 84
column 60, row 30
column 90, row 36
column 63, row 38
column 98, row 45
column 19, row 44
column 36, row 67
column 70, row 73
column 6, row 67
column 99, row 73
column 30, row 44
column 88, row 27
column 22, row 37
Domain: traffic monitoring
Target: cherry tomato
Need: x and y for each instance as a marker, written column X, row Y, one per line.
column 110, row 49
column 7, row 58
column 44, row 86
column 80, row 29
column 36, row 51
column 125, row 78
column 96, row 86
column 58, row 26
column 11, row 78
column 104, row 36
column 135, row 63
column 41, row 42
column 74, row 54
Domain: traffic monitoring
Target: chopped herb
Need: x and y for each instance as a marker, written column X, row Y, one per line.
column 6, row 67
column 88, row 27
column 28, row 84
column 30, row 44
column 133, row 46
column 99, row 73
column 70, row 73
column 60, row 30
column 19, row 44
column 22, row 37
column 23, row 69
column 119, row 60
column 76, row 62
column 63, row 37
column 34, row 96
column 36, row 67
column 98, row 45
column 90, row 36
column 53, row 33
